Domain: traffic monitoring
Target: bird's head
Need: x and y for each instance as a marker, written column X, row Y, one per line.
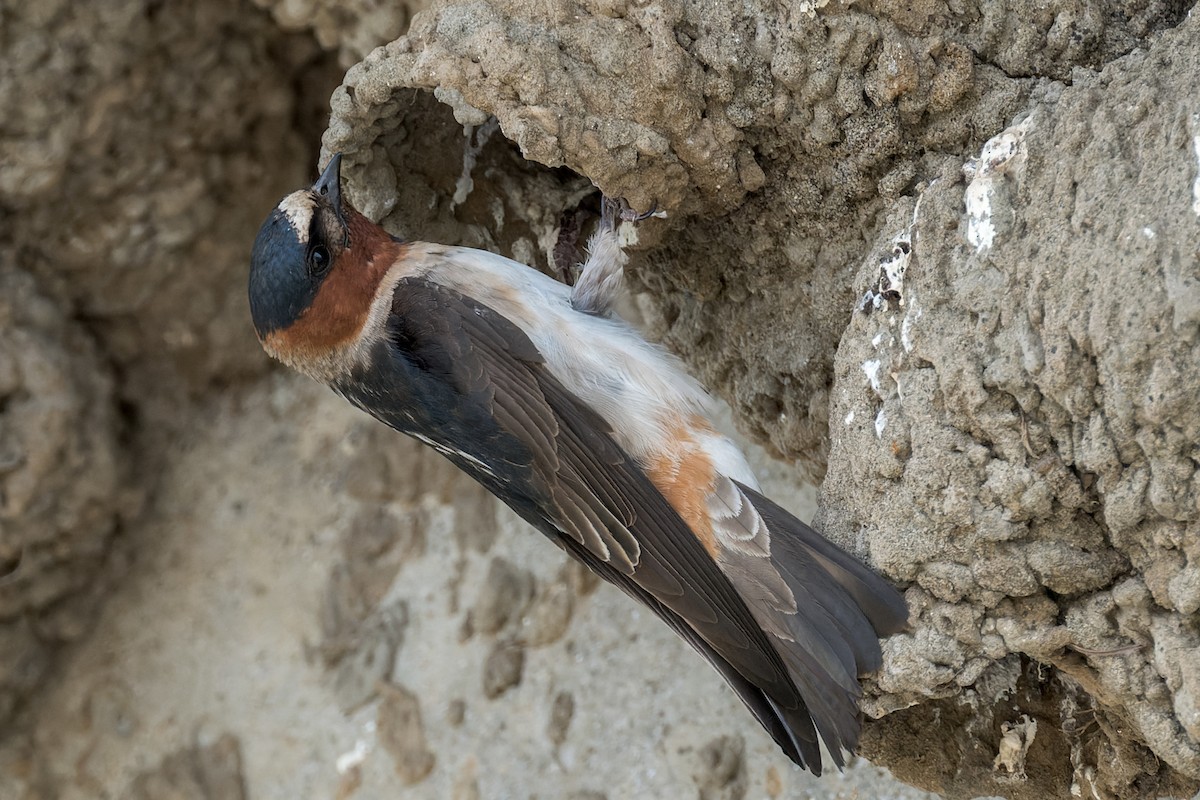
column 314, row 270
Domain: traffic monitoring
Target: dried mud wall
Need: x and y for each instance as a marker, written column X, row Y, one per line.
column 944, row 256
column 133, row 143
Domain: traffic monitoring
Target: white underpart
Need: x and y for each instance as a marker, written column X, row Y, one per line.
column 729, row 458
column 637, row 387
column 880, row 423
column 298, row 208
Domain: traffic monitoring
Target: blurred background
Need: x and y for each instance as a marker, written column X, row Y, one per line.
column 220, row 582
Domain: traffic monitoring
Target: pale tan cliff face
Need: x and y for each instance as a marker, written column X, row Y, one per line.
column 1010, row 431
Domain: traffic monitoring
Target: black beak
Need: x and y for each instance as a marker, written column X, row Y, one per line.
column 329, row 185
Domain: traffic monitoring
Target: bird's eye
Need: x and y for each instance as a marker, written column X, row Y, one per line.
column 318, row 259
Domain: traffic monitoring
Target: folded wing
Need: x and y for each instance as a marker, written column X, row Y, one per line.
column 462, row 378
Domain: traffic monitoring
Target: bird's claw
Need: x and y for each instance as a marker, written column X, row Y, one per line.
column 629, row 215
column 614, row 209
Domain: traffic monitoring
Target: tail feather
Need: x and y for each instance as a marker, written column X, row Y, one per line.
column 833, row 710
column 830, row 637
column 793, row 729
column 827, row 608
column 883, row 606
column 842, row 609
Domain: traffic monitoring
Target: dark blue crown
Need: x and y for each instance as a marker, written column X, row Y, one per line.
column 280, row 285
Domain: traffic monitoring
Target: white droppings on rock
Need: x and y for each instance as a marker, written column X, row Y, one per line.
column 980, row 231
column 352, row 758
column 870, row 300
column 914, row 314
column 1001, row 155
column 1196, row 150
column 476, row 137
column 1016, row 737
column 850, row 417
column 880, row 423
column 871, row 368
column 894, row 265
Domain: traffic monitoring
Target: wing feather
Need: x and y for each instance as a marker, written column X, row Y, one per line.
column 454, row 372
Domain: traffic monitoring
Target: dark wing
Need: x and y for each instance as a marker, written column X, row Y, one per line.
column 459, row 376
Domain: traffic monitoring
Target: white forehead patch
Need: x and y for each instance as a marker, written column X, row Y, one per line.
column 298, row 208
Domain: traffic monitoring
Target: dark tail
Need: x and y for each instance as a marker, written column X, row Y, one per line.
column 843, row 608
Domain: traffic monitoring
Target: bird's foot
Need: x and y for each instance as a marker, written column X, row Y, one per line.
column 600, row 279
column 614, row 210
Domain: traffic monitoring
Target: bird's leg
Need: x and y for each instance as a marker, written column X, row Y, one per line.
column 602, row 274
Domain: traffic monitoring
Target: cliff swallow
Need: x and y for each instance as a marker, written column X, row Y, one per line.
column 596, row 437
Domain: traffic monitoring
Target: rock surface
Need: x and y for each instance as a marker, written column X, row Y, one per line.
column 946, row 253
column 61, row 491
column 212, row 772
column 1040, row 420
column 1034, row 474
column 141, row 141
column 352, row 28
